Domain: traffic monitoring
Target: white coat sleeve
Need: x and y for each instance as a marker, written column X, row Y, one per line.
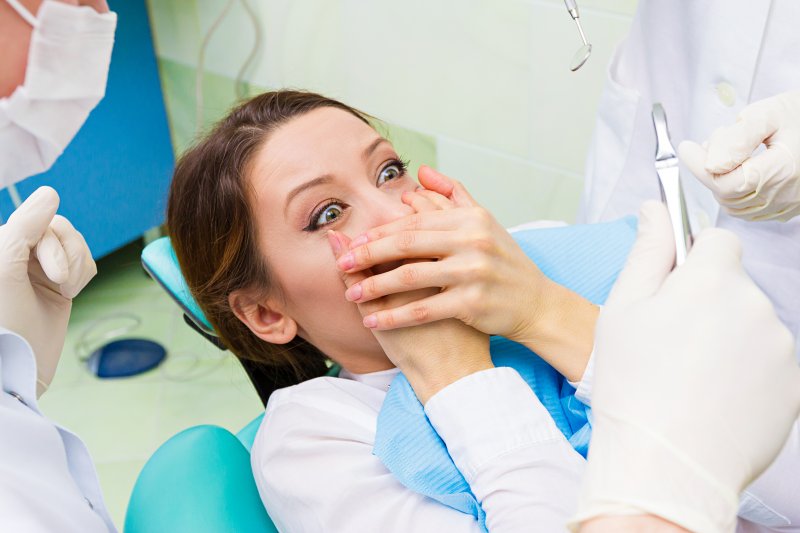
column 773, row 500
column 583, row 388
column 516, row 461
column 315, row 470
column 48, row 482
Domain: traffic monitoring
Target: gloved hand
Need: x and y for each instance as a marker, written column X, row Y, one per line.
column 696, row 386
column 37, row 287
column 753, row 187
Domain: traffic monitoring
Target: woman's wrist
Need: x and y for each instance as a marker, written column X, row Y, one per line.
column 562, row 330
column 428, row 381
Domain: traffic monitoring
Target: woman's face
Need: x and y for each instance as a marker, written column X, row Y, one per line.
column 324, row 170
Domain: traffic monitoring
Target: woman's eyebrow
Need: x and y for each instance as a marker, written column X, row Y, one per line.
column 327, row 178
column 372, row 146
column 321, row 180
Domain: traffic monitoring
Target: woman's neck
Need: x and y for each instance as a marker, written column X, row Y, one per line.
column 365, row 365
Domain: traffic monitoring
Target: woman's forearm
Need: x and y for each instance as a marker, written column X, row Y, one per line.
column 563, row 332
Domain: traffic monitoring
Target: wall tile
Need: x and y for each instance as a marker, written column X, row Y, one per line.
column 178, row 82
column 300, row 43
column 564, row 103
column 489, row 74
column 459, row 70
column 514, row 190
column 417, row 148
column 175, row 28
column 587, row 8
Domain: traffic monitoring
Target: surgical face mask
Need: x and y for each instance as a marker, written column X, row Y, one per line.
column 65, row 78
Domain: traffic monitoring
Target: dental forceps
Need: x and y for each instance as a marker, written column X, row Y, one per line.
column 669, row 180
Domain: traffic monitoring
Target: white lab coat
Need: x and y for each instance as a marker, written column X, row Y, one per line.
column 314, row 468
column 47, row 479
column 704, row 61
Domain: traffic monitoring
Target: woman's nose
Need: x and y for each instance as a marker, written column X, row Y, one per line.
column 387, row 208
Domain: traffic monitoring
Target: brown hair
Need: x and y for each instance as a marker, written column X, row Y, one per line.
column 211, row 224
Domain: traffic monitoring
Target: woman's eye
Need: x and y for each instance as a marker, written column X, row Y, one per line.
column 329, row 214
column 390, row 172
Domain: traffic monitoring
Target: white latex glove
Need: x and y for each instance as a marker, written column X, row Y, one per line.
column 37, row 287
column 696, row 386
column 753, row 187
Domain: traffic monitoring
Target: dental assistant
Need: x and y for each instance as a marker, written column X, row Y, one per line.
column 54, row 71
column 723, row 70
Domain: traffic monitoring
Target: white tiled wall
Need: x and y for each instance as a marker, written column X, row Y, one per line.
column 488, row 79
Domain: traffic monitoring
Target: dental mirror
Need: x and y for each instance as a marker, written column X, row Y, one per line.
column 584, row 51
column 580, row 57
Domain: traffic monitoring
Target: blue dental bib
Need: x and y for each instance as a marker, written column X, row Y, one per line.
column 584, row 258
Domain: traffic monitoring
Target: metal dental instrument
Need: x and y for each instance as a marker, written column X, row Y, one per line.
column 670, row 181
column 584, row 51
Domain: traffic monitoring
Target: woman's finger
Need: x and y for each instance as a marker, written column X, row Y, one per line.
column 338, row 242
column 435, row 181
column 407, row 244
column 437, row 307
column 407, row 277
column 419, row 202
column 437, row 220
column 441, row 202
column 461, row 197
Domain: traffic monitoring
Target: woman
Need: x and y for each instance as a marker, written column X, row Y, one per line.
column 255, row 211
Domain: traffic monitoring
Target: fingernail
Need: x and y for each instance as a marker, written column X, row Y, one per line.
column 335, row 243
column 370, row 321
column 358, row 241
column 347, row 261
column 353, row 293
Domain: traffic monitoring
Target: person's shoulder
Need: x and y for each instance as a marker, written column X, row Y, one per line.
column 314, row 437
column 325, row 393
column 305, row 428
column 321, row 408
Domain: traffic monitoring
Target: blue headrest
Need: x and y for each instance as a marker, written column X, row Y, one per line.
column 159, row 260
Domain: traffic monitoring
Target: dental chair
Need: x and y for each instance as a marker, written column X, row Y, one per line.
column 199, row 480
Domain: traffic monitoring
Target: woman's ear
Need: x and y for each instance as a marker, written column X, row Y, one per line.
column 262, row 318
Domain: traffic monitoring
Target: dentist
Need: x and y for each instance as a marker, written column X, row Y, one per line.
column 726, row 73
column 56, row 56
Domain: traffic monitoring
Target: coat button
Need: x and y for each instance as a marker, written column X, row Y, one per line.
column 726, row 94
column 18, row 397
column 702, row 220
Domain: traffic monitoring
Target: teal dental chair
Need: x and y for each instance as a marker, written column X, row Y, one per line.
column 200, row 480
